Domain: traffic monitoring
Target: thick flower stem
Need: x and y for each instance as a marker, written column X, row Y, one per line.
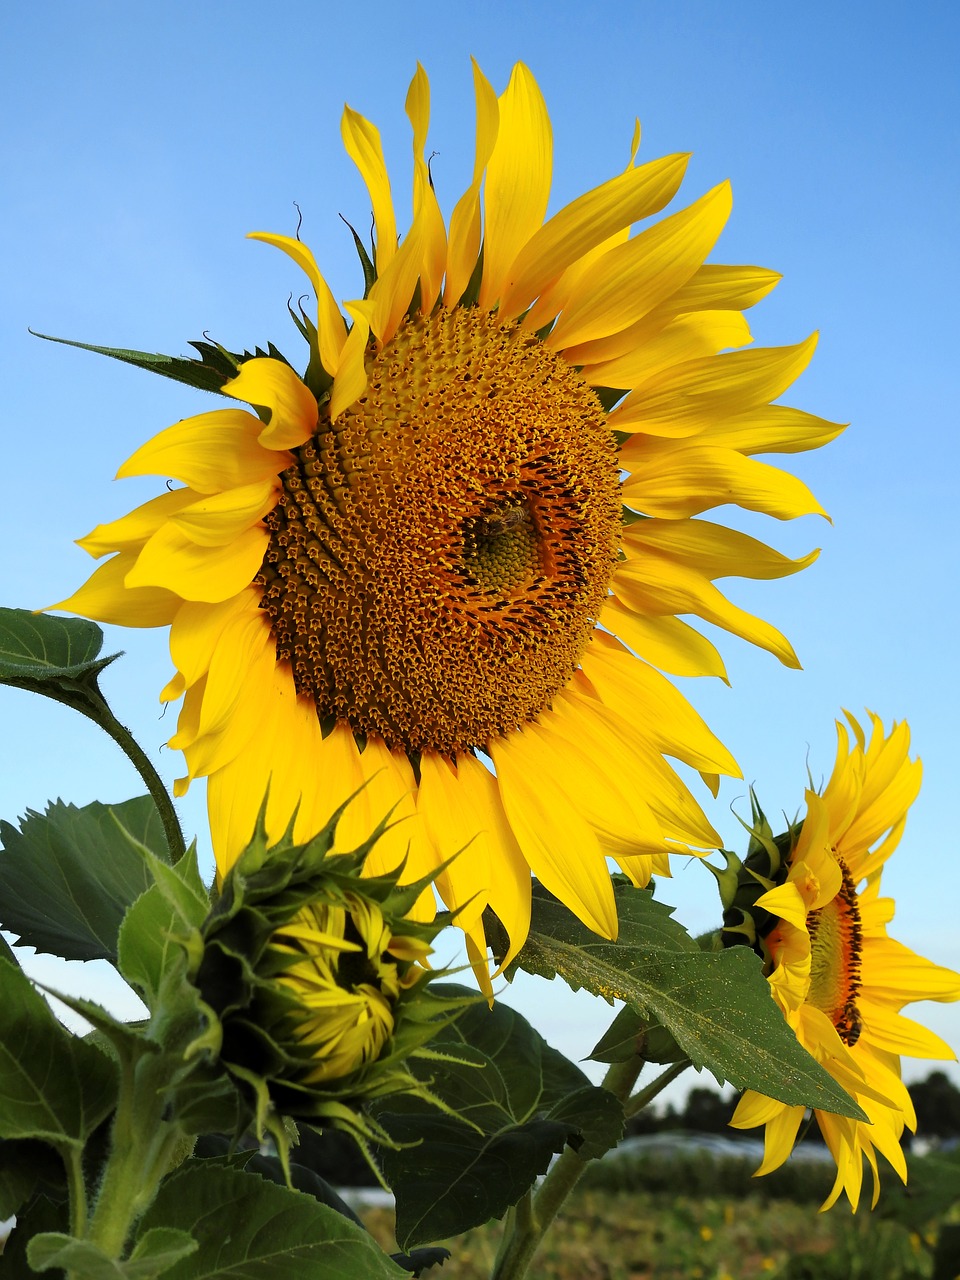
column 141, row 1152
column 529, row 1222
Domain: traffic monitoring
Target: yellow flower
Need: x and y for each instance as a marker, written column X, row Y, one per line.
column 836, row 975
column 337, row 966
column 417, row 569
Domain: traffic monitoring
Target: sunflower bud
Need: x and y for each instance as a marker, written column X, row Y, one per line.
column 318, row 983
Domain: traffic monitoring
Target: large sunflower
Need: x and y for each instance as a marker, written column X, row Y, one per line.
column 420, row 565
column 839, row 979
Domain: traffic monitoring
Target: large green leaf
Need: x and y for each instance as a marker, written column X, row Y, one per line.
column 69, row 875
column 25, row 1163
column 53, row 1085
column 251, row 1229
column 716, row 1004
column 520, row 1103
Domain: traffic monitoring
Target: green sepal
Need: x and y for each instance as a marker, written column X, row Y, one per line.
column 366, row 262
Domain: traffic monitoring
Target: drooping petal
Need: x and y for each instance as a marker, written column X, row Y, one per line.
column 172, row 560
column 274, row 386
column 210, row 453
column 331, row 328
column 547, row 826
column 105, row 597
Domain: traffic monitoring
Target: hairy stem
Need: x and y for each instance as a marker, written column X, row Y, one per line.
column 529, row 1222
column 91, row 703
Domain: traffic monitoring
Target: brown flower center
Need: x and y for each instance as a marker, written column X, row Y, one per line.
column 440, row 554
column 836, row 945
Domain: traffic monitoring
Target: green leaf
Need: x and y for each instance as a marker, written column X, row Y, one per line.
column 517, row 1103
column 69, row 875
column 38, row 649
column 247, row 1227
column 216, row 365
column 23, row 1164
column 154, row 1255
column 206, row 374
column 631, row 1034
column 53, row 1085
column 716, row 1004
column 148, row 946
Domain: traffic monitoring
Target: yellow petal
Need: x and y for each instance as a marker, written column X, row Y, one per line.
column 362, row 142
column 235, row 793
column 242, row 642
column 666, row 642
column 171, row 560
column 773, row 428
column 633, row 278
column 558, row 843
column 711, row 549
column 607, row 797
column 690, row 337
column 554, row 298
column 196, row 630
column 331, row 329
column 518, row 180
column 671, row 722
column 463, row 245
column 351, row 380
column 897, row 974
column 219, row 518
column 677, row 482
column 424, row 197
column 457, row 832
column 509, row 888
column 653, row 584
column 585, row 223
column 130, row 532
column 390, row 297
column 272, row 385
column 895, row 1033
column 105, row 597
column 679, row 402
column 714, row 286
column 210, row 453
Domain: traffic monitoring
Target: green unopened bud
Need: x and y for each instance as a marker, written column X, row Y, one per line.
column 319, row 983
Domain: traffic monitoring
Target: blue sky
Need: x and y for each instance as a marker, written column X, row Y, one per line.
column 137, row 152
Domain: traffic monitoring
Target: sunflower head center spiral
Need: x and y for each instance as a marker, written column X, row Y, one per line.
column 836, row 946
column 440, row 554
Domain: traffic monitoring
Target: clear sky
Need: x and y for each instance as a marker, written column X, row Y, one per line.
column 138, row 150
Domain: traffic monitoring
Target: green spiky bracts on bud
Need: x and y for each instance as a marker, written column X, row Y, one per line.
column 741, row 884
column 317, row 984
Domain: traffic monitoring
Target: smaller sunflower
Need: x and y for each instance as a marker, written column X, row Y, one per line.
column 809, row 902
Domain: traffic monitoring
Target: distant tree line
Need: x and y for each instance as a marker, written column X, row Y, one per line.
column 936, row 1101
